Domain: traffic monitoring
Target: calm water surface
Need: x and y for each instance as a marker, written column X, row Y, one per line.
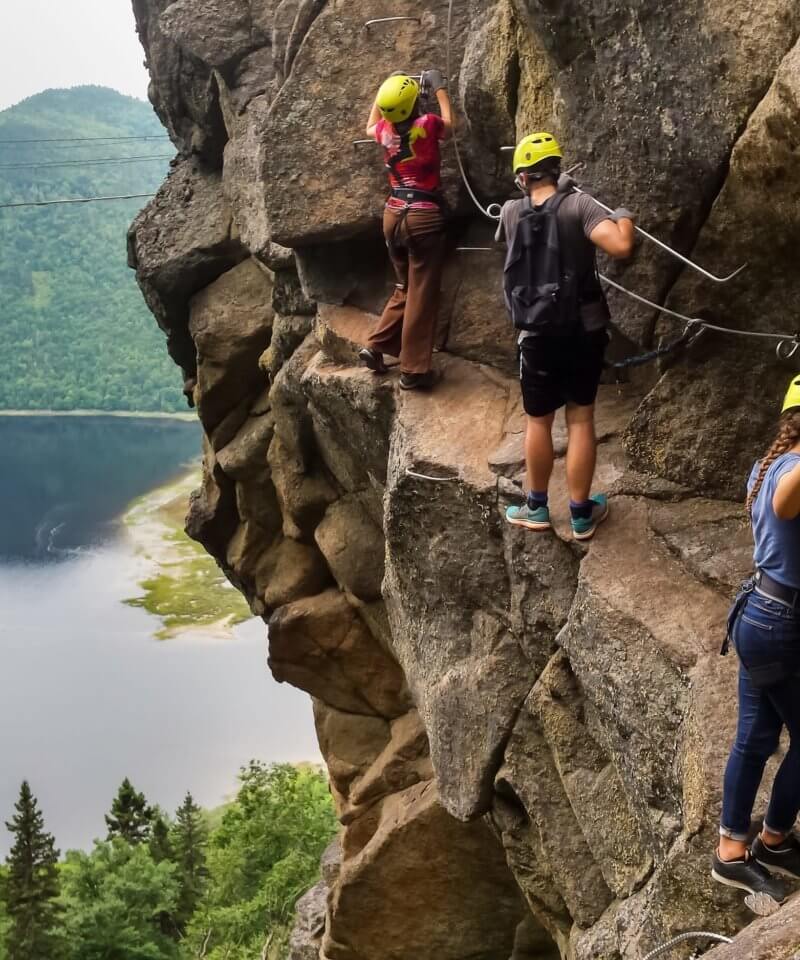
column 87, row 696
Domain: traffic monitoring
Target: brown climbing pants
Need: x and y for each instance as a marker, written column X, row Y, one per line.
column 407, row 328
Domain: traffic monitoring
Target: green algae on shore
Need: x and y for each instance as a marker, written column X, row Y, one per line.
column 187, row 591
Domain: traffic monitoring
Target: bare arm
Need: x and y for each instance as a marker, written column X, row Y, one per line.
column 372, row 123
column 786, row 501
column 446, row 109
column 615, row 239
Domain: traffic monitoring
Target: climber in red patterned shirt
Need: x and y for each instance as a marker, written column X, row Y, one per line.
column 413, row 224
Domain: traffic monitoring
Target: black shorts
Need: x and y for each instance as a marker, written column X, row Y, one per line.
column 554, row 371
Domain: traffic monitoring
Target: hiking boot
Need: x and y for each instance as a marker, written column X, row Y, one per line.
column 747, row 875
column 373, row 359
column 538, row 519
column 783, row 859
column 418, row 381
column 584, row 528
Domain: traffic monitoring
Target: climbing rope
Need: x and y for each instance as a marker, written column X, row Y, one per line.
column 693, row 935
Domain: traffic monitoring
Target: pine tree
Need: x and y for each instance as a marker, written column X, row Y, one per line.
column 31, row 886
column 189, row 838
column 160, row 843
column 130, row 817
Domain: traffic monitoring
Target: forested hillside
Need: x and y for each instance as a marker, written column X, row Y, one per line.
column 74, row 331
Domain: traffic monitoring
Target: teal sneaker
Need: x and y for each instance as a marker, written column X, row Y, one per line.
column 585, row 528
column 538, row 519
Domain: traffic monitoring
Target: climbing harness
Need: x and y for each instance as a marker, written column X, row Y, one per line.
column 683, row 938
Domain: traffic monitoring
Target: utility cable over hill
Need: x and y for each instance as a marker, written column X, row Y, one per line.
column 89, row 162
column 10, row 142
column 53, row 203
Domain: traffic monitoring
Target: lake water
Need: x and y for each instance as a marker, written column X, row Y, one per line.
column 87, row 695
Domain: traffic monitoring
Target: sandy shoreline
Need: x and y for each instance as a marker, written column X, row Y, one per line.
column 183, row 586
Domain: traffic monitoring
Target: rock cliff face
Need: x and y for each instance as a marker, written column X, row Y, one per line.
column 525, row 738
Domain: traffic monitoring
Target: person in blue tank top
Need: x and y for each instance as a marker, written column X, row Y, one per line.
column 764, row 627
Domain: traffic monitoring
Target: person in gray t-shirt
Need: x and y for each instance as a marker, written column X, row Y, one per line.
column 563, row 370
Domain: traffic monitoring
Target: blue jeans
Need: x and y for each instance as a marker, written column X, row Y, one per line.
column 766, row 635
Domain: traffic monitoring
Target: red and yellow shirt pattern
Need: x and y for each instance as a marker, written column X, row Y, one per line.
column 420, row 168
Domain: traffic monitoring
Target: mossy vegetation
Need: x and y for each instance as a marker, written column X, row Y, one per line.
column 196, row 595
column 188, row 590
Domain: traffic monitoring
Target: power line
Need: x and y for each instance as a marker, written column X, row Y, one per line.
column 51, row 203
column 85, row 139
column 88, row 145
column 99, row 161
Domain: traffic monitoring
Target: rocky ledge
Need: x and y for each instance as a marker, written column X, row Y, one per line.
column 525, row 737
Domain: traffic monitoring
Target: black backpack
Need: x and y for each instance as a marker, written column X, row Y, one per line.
column 540, row 285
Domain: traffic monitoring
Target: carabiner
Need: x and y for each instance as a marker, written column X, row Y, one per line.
column 786, row 349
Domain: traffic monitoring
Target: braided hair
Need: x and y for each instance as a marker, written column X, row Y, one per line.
column 788, row 436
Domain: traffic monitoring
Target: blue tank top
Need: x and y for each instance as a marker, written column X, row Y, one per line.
column 777, row 541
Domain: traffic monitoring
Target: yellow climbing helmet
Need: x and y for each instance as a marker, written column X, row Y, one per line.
column 396, row 98
column 792, row 399
column 535, row 148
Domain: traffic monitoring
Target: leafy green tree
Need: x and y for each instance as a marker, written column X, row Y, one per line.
column 31, row 884
column 160, row 842
column 115, row 900
column 263, row 856
column 130, row 817
column 189, row 838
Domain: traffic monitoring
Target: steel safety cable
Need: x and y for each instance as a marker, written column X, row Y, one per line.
column 484, row 210
column 699, row 321
column 422, row 476
column 692, row 935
